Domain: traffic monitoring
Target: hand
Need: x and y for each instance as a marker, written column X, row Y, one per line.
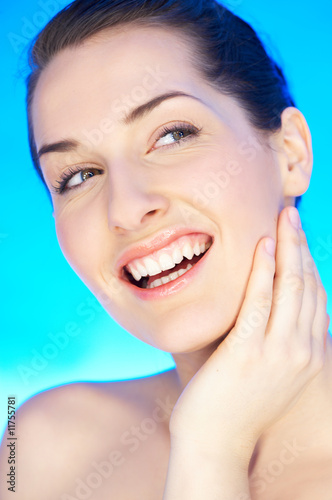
column 273, row 352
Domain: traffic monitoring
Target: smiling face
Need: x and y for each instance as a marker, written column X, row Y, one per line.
column 182, row 177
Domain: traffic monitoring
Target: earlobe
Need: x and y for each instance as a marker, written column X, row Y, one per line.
column 296, row 149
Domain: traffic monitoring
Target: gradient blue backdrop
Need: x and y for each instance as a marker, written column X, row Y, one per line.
column 40, row 295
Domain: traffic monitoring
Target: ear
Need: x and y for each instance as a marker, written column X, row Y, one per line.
column 295, row 154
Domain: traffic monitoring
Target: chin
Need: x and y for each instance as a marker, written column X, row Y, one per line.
column 183, row 330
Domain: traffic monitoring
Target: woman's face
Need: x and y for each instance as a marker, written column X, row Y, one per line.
column 184, row 173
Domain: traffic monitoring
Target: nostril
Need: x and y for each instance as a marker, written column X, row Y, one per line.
column 151, row 213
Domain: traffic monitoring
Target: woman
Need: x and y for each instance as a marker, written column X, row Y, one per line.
column 175, row 157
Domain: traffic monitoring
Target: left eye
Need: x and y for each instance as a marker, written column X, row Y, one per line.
column 73, row 178
column 174, row 135
column 80, row 177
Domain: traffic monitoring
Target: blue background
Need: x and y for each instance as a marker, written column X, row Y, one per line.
column 41, row 296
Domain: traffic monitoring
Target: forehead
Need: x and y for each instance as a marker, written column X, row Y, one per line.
column 107, row 73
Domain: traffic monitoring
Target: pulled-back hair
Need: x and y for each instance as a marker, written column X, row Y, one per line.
column 227, row 51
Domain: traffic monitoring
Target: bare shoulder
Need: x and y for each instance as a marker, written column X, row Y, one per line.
column 309, row 481
column 61, row 431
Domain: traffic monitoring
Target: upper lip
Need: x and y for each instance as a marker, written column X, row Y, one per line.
column 160, row 241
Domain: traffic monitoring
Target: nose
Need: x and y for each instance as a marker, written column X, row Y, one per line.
column 133, row 203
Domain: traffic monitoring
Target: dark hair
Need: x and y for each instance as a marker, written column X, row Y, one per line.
column 228, row 52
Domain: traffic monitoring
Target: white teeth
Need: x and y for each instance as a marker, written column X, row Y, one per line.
column 166, row 262
column 177, row 255
column 152, row 266
column 188, row 251
column 170, row 277
column 155, row 283
column 141, row 269
column 197, row 249
column 135, row 273
column 159, row 262
column 173, row 276
column 182, row 271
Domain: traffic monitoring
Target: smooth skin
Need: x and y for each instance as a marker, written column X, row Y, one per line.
column 256, row 375
column 252, row 386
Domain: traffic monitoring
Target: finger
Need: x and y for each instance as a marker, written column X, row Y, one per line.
column 320, row 322
column 309, row 298
column 327, row 331
column 319, row 328
column 255, row 311
column 289, row 282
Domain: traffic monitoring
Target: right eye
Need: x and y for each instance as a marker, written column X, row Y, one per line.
column 73, row 178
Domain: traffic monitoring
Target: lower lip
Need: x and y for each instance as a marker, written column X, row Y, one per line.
column 172, row 287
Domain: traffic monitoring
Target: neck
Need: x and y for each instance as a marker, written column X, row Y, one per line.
column 188, row 364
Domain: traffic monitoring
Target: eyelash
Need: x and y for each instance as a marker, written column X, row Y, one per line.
column 69, row 174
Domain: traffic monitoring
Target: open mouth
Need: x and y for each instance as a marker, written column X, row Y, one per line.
column 169, row 263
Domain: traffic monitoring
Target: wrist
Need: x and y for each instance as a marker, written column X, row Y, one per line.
column 215, row 449
column 219, row 453
column 197, row 472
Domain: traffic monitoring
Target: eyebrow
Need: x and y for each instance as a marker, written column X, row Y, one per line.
column 58, row 147
column 68, row 145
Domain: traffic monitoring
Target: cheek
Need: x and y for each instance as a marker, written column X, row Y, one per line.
column 80, row 235
column 234, row 181
column 241, row 194
column 250, row 205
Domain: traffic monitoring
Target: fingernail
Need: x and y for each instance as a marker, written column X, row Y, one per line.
column 294, row 217
column 270, row 246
